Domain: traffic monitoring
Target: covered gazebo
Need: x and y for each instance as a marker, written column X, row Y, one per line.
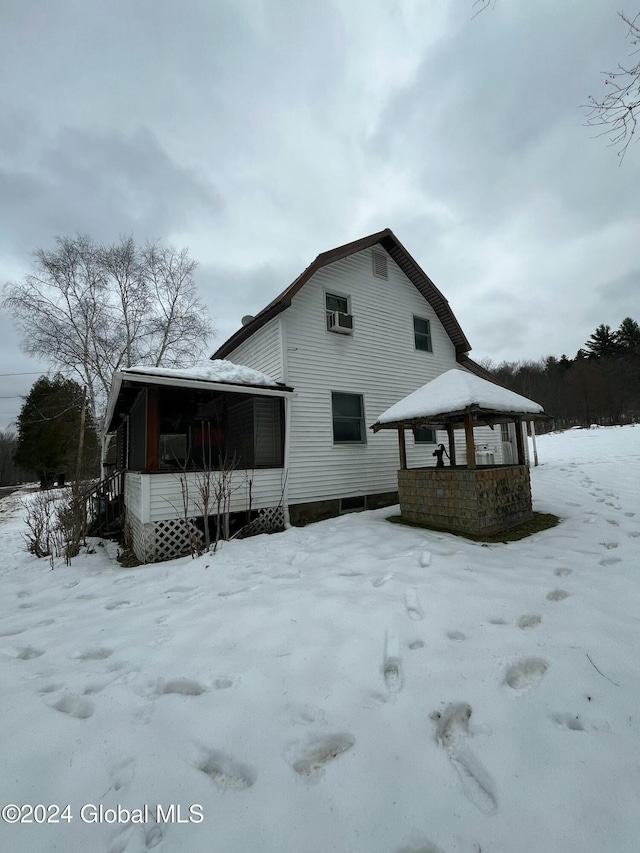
column 468, row 497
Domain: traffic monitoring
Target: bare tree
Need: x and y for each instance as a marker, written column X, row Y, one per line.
column 617, row 111
column 93, row 309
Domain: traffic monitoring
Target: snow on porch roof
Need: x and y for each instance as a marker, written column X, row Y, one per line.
column 218, row 374
column 218, row 370
column 452, row 394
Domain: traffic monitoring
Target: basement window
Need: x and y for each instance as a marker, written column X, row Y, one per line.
column 352, row 504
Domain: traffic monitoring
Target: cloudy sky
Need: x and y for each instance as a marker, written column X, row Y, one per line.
column 258, row 133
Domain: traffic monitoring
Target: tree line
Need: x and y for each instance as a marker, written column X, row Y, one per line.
column 601, row 384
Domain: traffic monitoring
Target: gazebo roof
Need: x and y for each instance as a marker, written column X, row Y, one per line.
column 451, row 396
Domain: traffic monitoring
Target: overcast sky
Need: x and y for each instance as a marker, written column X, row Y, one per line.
column 259, row 133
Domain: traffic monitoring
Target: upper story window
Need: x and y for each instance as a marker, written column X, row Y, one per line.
column 379, row 261
column 347, row 411
column 422, row 334
column 339, row 317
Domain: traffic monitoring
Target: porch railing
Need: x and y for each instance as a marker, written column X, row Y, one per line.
column 104, row 505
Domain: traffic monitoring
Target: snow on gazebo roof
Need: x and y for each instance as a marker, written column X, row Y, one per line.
column 453, row 394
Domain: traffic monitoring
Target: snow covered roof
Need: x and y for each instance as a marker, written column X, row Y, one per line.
column 453, row 394
column 211, row 375
column 218, row 370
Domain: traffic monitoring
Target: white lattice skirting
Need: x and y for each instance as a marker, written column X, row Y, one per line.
column 269, row 520
column 164, row 540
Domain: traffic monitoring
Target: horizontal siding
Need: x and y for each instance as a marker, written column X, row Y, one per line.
column 166, row 499
column 133, row 493
column 378, row 361
column 262, row 351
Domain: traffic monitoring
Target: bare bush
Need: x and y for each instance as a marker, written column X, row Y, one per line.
column 40, row 520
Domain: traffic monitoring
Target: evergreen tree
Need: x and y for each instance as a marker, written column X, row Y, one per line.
column 49, row 431
column 628, row 335
column 603, row 343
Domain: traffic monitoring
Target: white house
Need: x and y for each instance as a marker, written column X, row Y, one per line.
column 360, row 328
column 291, row 397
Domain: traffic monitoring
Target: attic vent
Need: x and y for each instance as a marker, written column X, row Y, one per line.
column 379, row 264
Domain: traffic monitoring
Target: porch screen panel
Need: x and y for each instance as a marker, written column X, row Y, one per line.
column 137, row 429
column 239, row 445
column 269, row 437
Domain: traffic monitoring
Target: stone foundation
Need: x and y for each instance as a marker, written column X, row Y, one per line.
column 482, row 500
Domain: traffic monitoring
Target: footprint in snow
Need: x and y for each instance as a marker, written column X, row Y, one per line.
column 122, row 773
column 420, row 846
column 609, row 545
column 378, row 582
column 569, row 721
column 613, row 522
column 452, row 730
column 99, row 653
column 526, row 674
column 392, row 665
column 117, row 605
column 609, row 561
column 412, row 603
column 29, row 653
column 416, row 644
column 498, row 621
column 562, row 572
column 308, row 758
column 529, row 620
column 181, row 686
column 74, row 706
column 226, row 772
column 457, row 636
column 557, row 595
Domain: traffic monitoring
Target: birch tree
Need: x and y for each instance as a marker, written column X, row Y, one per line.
column 91, row 310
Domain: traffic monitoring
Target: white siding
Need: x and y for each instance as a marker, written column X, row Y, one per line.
column 378, row 361
column 133, row 493
column 263, row 351
column 166, row 501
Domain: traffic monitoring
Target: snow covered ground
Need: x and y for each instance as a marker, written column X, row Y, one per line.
column 350, row 686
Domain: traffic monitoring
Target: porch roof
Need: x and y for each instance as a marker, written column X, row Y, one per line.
column 217, row 375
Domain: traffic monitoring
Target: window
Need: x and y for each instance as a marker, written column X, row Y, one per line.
column 173, row 450
column 352, row 504
column 379, row 261
column 348, row 418
column 424, row 436
column 339, row 318
column 422, row 334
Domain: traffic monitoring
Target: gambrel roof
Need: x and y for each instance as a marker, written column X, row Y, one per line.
column 396, row 251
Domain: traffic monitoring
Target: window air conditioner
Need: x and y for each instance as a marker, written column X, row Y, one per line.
column 339, row 322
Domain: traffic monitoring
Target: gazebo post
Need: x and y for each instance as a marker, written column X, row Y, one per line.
column 533, row 438
column 468, row 434
column 520, row 442
column 452, row 445
column 403, row 448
